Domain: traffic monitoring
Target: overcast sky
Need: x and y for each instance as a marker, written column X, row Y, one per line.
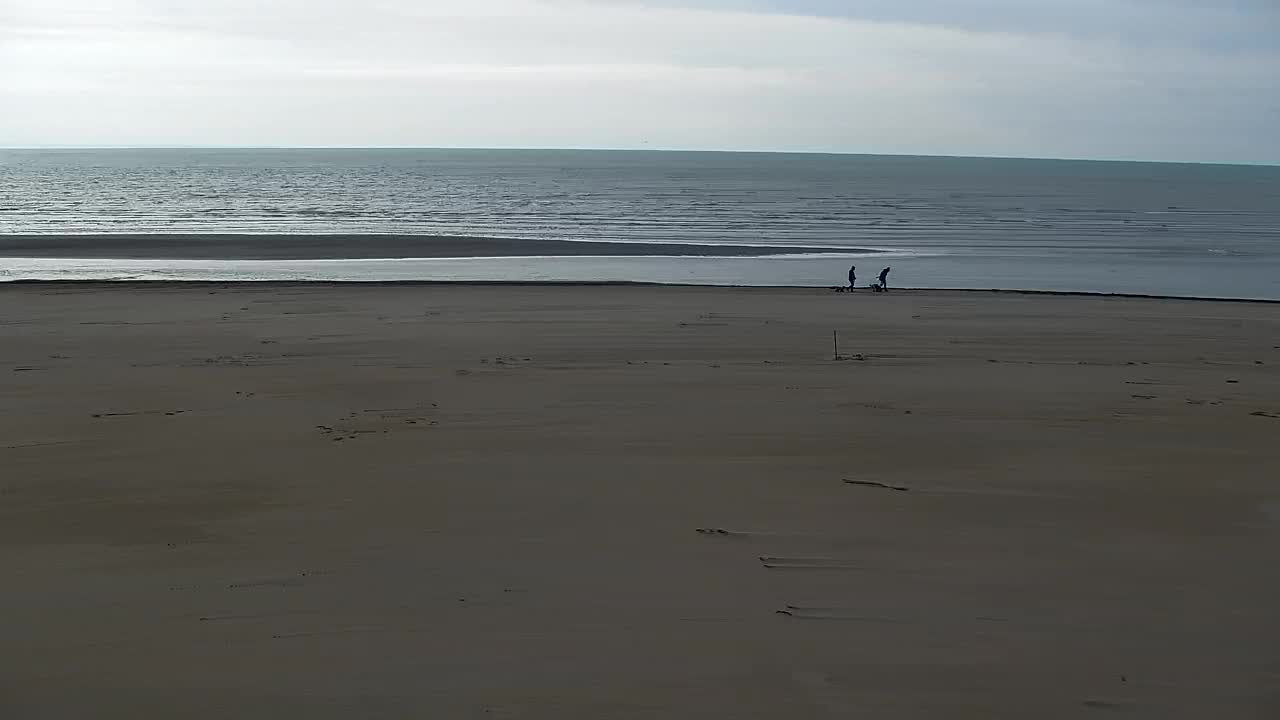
column 1145, row 79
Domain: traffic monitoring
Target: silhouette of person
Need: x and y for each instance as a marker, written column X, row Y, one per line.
column 853, row 276
column 884, row 279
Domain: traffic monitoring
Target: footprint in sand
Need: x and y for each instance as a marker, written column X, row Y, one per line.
column 834, row 613
column 875, row 484
column 802, row 563
column 1106, row 705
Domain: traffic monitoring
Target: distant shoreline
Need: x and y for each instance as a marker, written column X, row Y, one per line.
column 362, row 246
column 371, row 284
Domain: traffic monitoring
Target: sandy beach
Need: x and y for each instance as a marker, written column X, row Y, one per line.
column 329, row 501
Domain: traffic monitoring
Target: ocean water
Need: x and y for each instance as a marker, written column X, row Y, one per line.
column 1208, row 230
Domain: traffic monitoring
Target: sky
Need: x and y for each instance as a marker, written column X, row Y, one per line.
column 1169, row 80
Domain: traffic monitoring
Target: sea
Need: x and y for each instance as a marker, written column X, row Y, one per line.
column 938, row 222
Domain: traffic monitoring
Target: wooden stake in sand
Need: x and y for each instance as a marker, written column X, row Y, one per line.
column 835, row 345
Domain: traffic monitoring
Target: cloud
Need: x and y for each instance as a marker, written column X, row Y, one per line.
column 756, row 74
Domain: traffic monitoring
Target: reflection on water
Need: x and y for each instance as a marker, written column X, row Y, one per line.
column 1201, row 276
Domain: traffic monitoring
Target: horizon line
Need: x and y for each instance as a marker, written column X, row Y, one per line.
column 836, row 153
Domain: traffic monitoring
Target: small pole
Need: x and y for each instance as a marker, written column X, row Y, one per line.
column 835, row 345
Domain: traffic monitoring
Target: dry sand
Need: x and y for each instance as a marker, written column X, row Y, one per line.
column 483, row 502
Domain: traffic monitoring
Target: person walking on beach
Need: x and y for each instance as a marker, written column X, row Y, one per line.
column 884, row 279
column 853, row 277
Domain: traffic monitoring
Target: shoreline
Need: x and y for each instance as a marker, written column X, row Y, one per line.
column 364, row 246
column 275, row 284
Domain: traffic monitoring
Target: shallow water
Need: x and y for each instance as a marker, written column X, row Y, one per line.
column 1223, row 278
column 950, row 222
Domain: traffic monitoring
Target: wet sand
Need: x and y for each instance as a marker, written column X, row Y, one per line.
column 630, row 502
column 351, row 246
